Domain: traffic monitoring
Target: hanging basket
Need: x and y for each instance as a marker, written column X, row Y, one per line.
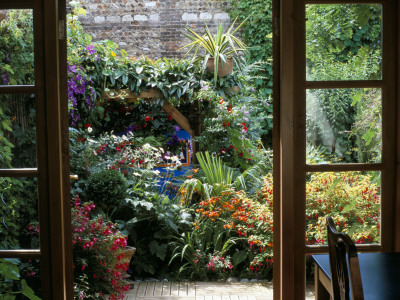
column 222, row 71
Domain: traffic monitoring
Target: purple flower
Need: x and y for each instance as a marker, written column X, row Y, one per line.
column 90, row 49
column 173, row 141
column 177, row 128
column 71, row 68
column 5, row 78
column 130, row 128
column 8, row 57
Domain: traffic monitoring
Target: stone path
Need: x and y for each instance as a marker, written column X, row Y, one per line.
column 167, row 290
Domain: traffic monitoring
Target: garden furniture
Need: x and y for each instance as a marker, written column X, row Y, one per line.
column 341, row 246
column 380, row 274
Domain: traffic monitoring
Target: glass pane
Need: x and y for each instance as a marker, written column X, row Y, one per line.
column 16, row 51
column 19, row 277
column 352, row 199
column 19, row 226
column 344, row 41
column 17, row 131
column 344, row 126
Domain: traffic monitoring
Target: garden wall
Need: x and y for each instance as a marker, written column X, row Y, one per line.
column 154, row 28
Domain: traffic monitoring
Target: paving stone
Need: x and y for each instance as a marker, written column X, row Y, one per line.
column 164, row 290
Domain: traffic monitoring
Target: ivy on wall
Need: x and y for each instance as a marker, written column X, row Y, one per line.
column 257, row 33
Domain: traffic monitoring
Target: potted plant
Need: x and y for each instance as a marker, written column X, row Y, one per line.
column 221, row 49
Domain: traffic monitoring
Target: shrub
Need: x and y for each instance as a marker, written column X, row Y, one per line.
column 99, row 265
column 352, row 199
column 107, row 189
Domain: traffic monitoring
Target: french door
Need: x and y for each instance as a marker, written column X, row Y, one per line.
column 338, row 129
column 34, row 175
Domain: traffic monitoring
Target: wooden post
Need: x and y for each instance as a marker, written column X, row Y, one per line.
column 195, row 121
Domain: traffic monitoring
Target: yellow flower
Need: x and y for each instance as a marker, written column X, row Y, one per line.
column 113, row 54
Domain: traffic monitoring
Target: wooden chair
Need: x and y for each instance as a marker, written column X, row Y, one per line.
column 339, row 245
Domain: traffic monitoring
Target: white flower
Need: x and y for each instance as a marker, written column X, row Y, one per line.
column 90, row 129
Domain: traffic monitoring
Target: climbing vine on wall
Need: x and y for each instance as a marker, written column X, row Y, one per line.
column 257, row 33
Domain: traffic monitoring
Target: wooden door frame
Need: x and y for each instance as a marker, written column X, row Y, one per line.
column 55, row 45
column 292, row 249
column 52, row 170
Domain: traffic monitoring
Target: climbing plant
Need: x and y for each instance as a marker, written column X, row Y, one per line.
column 257, row 34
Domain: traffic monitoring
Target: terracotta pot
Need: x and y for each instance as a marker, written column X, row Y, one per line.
column 128, row 252
column 222, row 72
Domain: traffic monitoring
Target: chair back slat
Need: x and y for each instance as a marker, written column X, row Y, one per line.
column 340, row 247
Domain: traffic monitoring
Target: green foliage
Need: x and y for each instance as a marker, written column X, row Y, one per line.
column 257, row 33
column 9, row 276
column 233, row 126
column 16, row 53
column 341, row 31
column 106, row 189
column 151, row 220
column 343, row 42
column 346, row 123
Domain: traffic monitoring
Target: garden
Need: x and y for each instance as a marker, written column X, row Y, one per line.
column 175, row 159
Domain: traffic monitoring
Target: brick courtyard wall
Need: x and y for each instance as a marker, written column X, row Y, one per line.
column 154, row 28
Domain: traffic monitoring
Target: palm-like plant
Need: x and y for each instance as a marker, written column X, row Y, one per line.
column 215, row 178
column 220, row 46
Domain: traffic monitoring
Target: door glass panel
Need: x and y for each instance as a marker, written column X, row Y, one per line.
column 16, row 51
column 344, row 42
column 20, row 276
column 19, row 227
column 352, row 199
column 17, row 131
column 344, row 126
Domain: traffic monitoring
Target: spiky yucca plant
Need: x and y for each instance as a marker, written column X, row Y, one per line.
column 219, row 46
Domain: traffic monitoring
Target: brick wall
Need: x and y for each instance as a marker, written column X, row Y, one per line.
column 154, row 28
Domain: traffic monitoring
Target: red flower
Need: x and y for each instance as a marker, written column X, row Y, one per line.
column 229, row 107
column 244, row 127
column 88, row 125
column 170, row 116
column 222, row 150
column 232, row 147
column 147, row 118
column 241, row 154
column 225, row 124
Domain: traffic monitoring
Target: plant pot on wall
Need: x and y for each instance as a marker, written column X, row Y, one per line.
column 223, row 69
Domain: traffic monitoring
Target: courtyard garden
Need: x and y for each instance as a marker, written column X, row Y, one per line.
column 175, row 160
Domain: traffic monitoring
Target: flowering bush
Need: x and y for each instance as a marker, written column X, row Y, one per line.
column 352, row 199
column 97, row 246
column 91, row 154
column 232, row 229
